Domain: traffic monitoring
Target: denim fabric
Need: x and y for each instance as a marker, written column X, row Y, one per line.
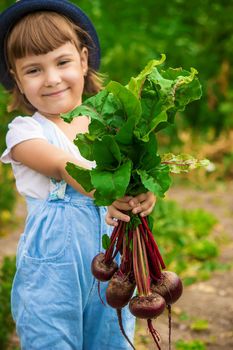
column 55, row 301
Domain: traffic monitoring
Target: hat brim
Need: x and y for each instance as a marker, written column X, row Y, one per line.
column 14, row 13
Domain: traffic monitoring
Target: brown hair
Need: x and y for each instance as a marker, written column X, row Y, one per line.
column 39, row 33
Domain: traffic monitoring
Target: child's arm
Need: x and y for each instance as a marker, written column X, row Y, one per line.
column 143, row 204
column 48, row 160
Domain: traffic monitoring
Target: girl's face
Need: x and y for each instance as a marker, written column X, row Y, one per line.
column 53, row 83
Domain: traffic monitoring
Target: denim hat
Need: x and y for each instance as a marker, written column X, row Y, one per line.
column 14, row 13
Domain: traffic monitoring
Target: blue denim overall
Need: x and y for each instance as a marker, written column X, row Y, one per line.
column 55, row 301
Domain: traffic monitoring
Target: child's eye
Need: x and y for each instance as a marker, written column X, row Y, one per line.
column 63, row 62
column 32, row 71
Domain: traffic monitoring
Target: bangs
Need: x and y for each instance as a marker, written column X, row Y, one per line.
column 40, row 33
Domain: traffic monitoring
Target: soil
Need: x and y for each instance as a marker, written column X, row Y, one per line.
column 211, row 301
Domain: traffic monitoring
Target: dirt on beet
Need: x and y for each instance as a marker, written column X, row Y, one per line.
column 210, row 300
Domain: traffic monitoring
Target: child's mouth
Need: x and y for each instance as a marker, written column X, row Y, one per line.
column 55, row 93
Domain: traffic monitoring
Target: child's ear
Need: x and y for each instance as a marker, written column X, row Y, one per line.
column 84, row 60
column 14, row 76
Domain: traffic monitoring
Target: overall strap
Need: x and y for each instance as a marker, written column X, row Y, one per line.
column 57, row 189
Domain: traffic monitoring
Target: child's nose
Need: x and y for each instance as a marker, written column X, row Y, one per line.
column 52, row 78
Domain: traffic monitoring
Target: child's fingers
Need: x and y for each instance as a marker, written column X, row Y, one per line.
column 113, row 214
column 142, row 204
column 147, row 212
column 122, row 205
column 111, row 221
column 125, row 199
column 145, row 206
column 144, row 209
column 139, row 198
column 147, row 197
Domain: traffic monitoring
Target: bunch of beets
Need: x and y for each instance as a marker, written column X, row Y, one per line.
column 124, row 121
column 141, row 266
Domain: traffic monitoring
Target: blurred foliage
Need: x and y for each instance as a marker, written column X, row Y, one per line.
column 7, row 198
column 190, row 345
column 200, row 325
column 192, row 34
column 7, row 271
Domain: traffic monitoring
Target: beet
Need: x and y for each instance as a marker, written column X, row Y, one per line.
column 101, row 270
column 169, row 286
column 147, row 307
column 119, row 291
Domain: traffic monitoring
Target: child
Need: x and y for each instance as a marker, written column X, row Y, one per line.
column 49, row 55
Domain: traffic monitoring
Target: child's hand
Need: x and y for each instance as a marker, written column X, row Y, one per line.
column 143, row 204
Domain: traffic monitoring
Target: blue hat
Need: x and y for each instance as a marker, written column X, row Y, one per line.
column 14, row 13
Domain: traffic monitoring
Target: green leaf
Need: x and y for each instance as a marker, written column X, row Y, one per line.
column 79, row 111
column 183, row 163
column 110, row 185
column 135, row 186
column 97, row 128
column 81, row 175
column 106, row 241
column 136, row 83
column 85, row 146
column 157, row 181
column 187, row 87
column 150, row 221
column 148, row 155
column 163, row 94
column 107, row 153
column 101, row 107
column 130, row 103
column 126, row 132
column 131, row 108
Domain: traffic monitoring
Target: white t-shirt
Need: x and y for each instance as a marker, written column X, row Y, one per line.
column 29, row 182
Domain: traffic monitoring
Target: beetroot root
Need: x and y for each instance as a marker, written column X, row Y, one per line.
column 119, row 291
column 169, row 286
column 102, row 271
column 147, row 307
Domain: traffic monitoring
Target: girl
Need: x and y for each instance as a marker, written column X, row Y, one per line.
column 49, row 55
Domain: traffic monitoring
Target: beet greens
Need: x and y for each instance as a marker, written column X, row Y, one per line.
column 122, row 141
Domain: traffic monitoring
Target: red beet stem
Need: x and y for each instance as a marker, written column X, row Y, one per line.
column 136, row 265
column 126, row 258
column 119, row 316
column 151, row 237
column 153, row 259
column 115, row 234
column 119, row 241
column 146, row 264
column 154, row 333
column 153, row 242
column 100, row 294
column 143, row 264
